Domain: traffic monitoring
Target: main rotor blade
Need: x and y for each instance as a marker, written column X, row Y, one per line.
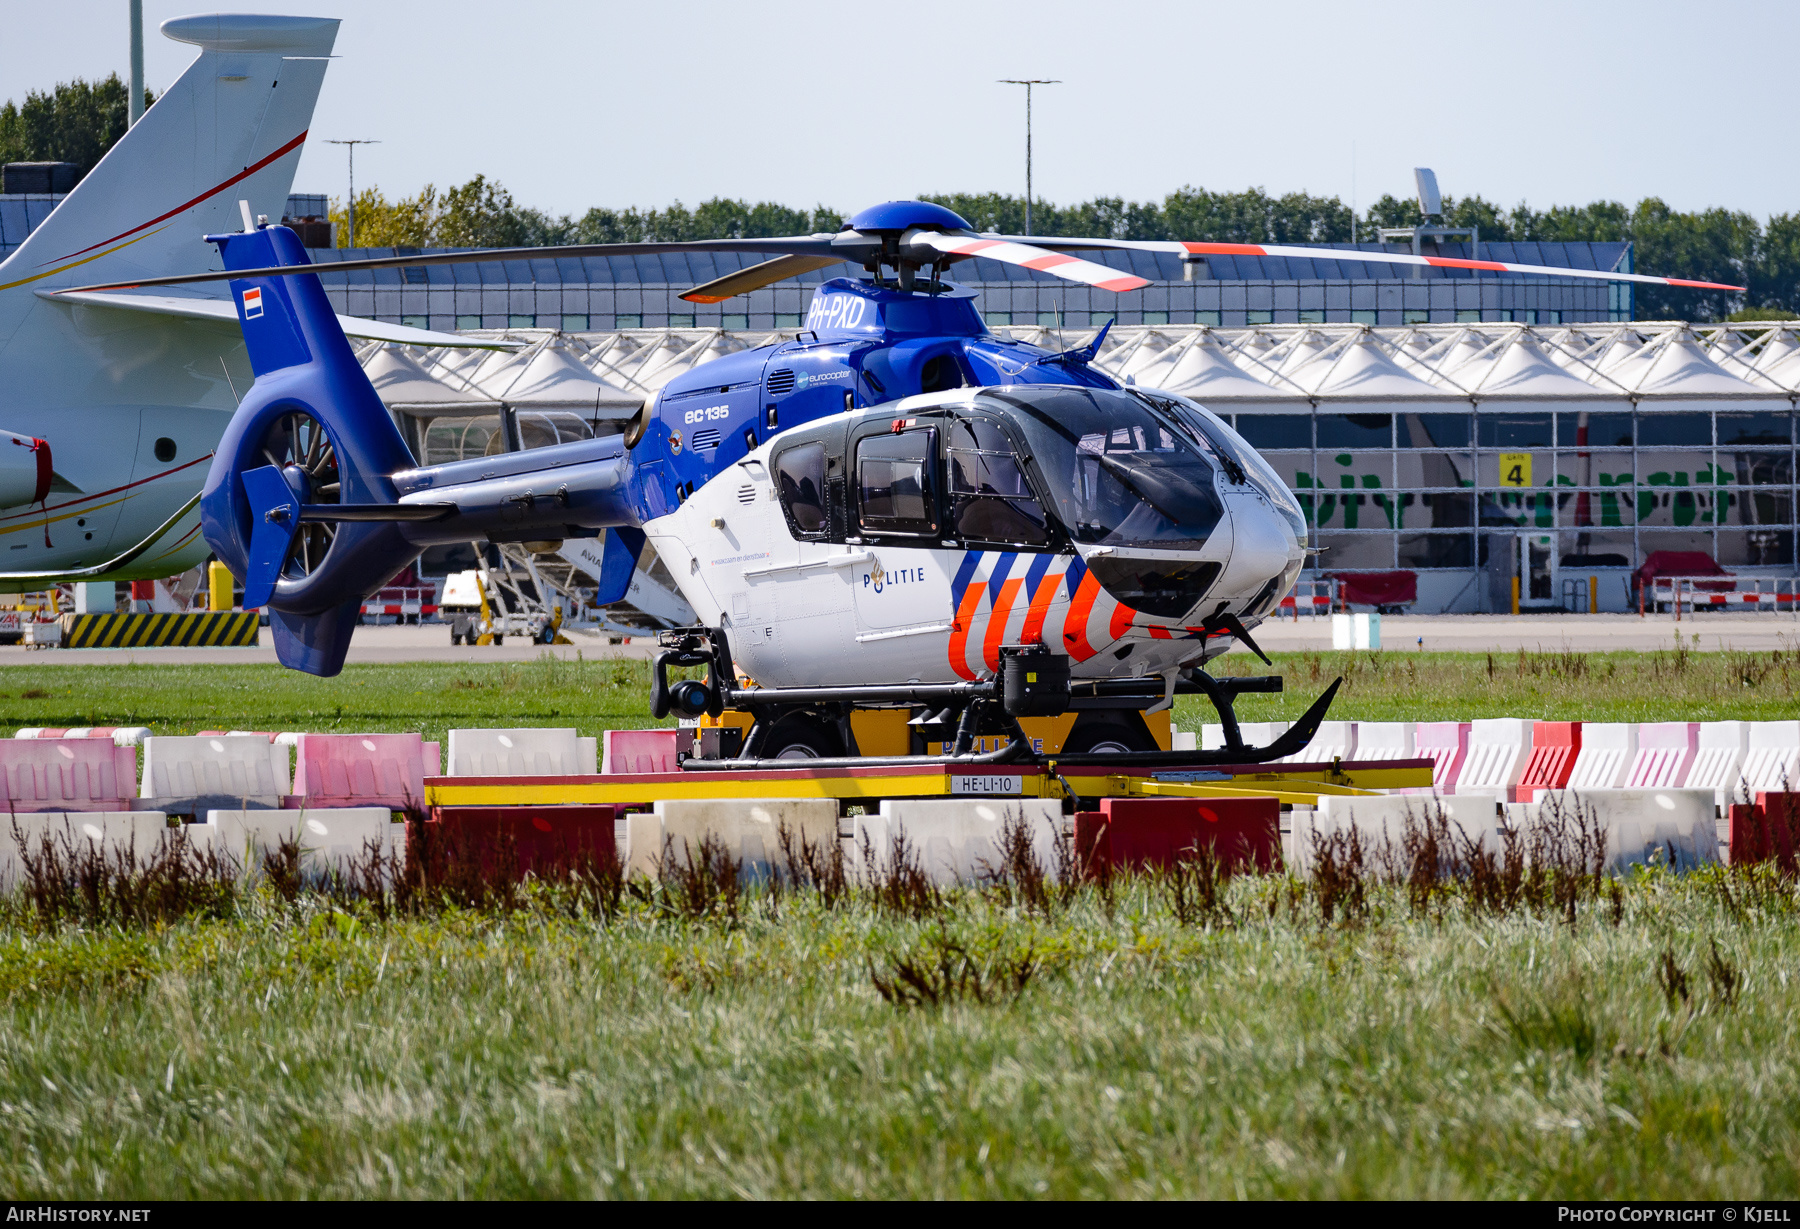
column 1028, row 255
column 1181, row 247
column 809, row 245
column 758, row 276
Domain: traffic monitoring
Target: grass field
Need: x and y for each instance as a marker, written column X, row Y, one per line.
column 1667, row 685
column 1106, row 1043
column 292, row 1051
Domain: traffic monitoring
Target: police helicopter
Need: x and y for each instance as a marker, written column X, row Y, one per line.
column 895, row 508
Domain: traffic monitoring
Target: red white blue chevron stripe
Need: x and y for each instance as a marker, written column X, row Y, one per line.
column 1012, row 597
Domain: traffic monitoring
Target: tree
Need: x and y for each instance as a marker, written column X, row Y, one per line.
column 75, row 122
column 1775, row 278
column 411, row 221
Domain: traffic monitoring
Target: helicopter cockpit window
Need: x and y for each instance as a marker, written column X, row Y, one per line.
column 800, row 482
column 1122, row 473
column 990, row 500
column 893, row 474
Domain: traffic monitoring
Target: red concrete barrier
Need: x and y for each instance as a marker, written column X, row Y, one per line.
column 1764, row 831
column 1143, row 833
column 1555, row 745
column 547, row 841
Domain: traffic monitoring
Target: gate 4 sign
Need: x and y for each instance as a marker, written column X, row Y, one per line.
column 1515, row 469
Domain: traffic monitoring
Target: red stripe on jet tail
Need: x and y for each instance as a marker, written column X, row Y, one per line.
column 210, row 192
column 1033, row 631
column 959, row 632
column 1122, row 284
column 1075, row 638
column 997, row 621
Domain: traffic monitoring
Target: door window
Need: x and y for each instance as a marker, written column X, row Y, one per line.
column 800, row 481
column 894, row 482
column 990, row 500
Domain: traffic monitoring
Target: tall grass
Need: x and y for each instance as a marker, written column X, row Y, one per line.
column 1182, row 1033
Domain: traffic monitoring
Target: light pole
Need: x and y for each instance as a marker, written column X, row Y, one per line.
column 351, row 242
column 1027, row 83
column 135, row 104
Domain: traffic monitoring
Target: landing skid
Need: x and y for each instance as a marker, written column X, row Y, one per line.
column 963, row 707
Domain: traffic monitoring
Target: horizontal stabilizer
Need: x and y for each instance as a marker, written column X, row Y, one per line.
column 619, row 558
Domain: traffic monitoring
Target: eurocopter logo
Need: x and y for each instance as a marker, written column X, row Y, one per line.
column 253, row 302
column 876, row 580
column 818, row 377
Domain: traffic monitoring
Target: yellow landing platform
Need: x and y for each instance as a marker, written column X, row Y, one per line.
column 1295, row 784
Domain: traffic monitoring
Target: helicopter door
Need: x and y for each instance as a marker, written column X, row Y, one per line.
column 903, row 584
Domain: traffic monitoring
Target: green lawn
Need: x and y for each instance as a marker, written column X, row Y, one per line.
column 299, row 1051
column 433, row 697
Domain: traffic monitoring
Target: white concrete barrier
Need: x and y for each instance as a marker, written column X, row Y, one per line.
column 1384, row 740
column 330, row 837
column 517, row 753
column 1498, row 750
column 1641, row 825
column 211, row 772
column 1446, row 745
column 1719, row 760
column 1335, row 740
column 1772, row 756
column 1607, row 752
column 121, row 735
column 748, row 828
column 1665, row 755
column 113, row 833
column 1380, row 822
column 957, row 840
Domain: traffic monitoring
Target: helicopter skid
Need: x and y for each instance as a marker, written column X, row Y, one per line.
column 967, row 704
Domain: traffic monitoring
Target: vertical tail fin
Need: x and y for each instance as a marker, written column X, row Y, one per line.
column 229, row 129
column 313, row 417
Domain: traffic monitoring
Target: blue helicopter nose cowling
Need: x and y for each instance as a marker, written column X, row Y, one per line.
column 905, row 215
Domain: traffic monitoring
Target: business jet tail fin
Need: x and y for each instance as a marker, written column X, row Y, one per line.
column 229, row 129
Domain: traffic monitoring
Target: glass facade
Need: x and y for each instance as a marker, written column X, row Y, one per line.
column 1442, row 488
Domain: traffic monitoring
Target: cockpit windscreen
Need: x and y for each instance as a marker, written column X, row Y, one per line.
column 1122, row 474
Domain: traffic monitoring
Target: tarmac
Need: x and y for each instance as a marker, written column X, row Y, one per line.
column 1706, row 632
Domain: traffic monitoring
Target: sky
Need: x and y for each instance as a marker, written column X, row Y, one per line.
column 572, row 104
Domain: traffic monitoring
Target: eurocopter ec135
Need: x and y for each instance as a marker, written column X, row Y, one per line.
column 895, row 507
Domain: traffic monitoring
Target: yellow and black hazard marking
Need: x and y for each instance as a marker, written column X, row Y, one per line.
column 220, row 629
